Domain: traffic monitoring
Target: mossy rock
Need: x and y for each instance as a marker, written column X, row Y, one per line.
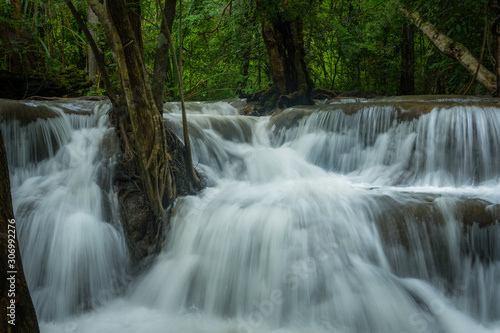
column 65, row 83
column 423, row 209
column 407, row 108
column 25, row 113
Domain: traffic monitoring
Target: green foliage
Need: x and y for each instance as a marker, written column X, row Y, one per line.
column 354, row 45
column 223, row 53
column 350, row 45
column 464, row 22
column 54, row 34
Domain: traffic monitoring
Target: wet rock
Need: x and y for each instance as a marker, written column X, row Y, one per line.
column 108, row 150
column 240, row 104
column 254, row 97
column 428, row 236
column 32, row 132
column 144, row 234
column 406, row 108
column 323, row 94
column 289, row 118
column 105, row 160
column 233, row 129
column 359, row 94
column 24, row 112
column 476, row 211
column 395, row 216
column 424, row 209
column 80, row 98
column 421, row 222
column 141, row 230
column 138, row 222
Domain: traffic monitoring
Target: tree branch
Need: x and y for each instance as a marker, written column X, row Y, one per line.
column 188, row 158
column 453, row 49
column 220, row 19
column 95, row 50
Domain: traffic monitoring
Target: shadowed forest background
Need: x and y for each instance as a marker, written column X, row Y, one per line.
column 349, row 45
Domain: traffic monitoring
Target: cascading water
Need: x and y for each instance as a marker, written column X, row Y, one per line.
column 69, row 252
column 319, row 221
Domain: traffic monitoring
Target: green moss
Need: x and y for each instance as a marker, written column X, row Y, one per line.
column 269, row 99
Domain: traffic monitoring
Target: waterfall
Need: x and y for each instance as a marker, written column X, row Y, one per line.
column 353, row 217
column 455, row 146
column 70, row 254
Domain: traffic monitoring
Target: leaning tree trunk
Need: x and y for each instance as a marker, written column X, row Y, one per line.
column 13, row 286
column 454, row 50
column 284, row 42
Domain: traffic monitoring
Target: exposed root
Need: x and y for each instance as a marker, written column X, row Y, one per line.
column 125, row 192
column 128, row 151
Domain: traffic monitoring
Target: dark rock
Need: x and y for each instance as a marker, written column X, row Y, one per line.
column 419, row 234
column 425, row 215
column 245, row 95
column 407, row 108
column 236, row 130
column 480, row 212
column 47, row 130
column 359, row 94
column 81, row 98
column 108, row 150
column 289, row 118
column 23, row 112
column 19, row 86
column 254, row 97
column 424, row 209
column 143, row 232
column 323, row 94
column 139, row 225
column 238, row 104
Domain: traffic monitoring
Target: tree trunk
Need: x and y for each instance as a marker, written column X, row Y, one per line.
column 284, row 42
column 92, row 62
column 152, row 169
column 161, row 59
column 142, row 135
column 147, row 132
column 454, row 50
column 134, row 15
column 407, row 74
column 15, row 289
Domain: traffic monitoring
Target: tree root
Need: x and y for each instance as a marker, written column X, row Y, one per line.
column 129, row 152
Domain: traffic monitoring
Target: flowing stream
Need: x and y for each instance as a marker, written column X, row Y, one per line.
column 317, row 220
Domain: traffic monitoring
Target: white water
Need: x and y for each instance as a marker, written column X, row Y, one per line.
column 311, row 229
column 69, row 253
